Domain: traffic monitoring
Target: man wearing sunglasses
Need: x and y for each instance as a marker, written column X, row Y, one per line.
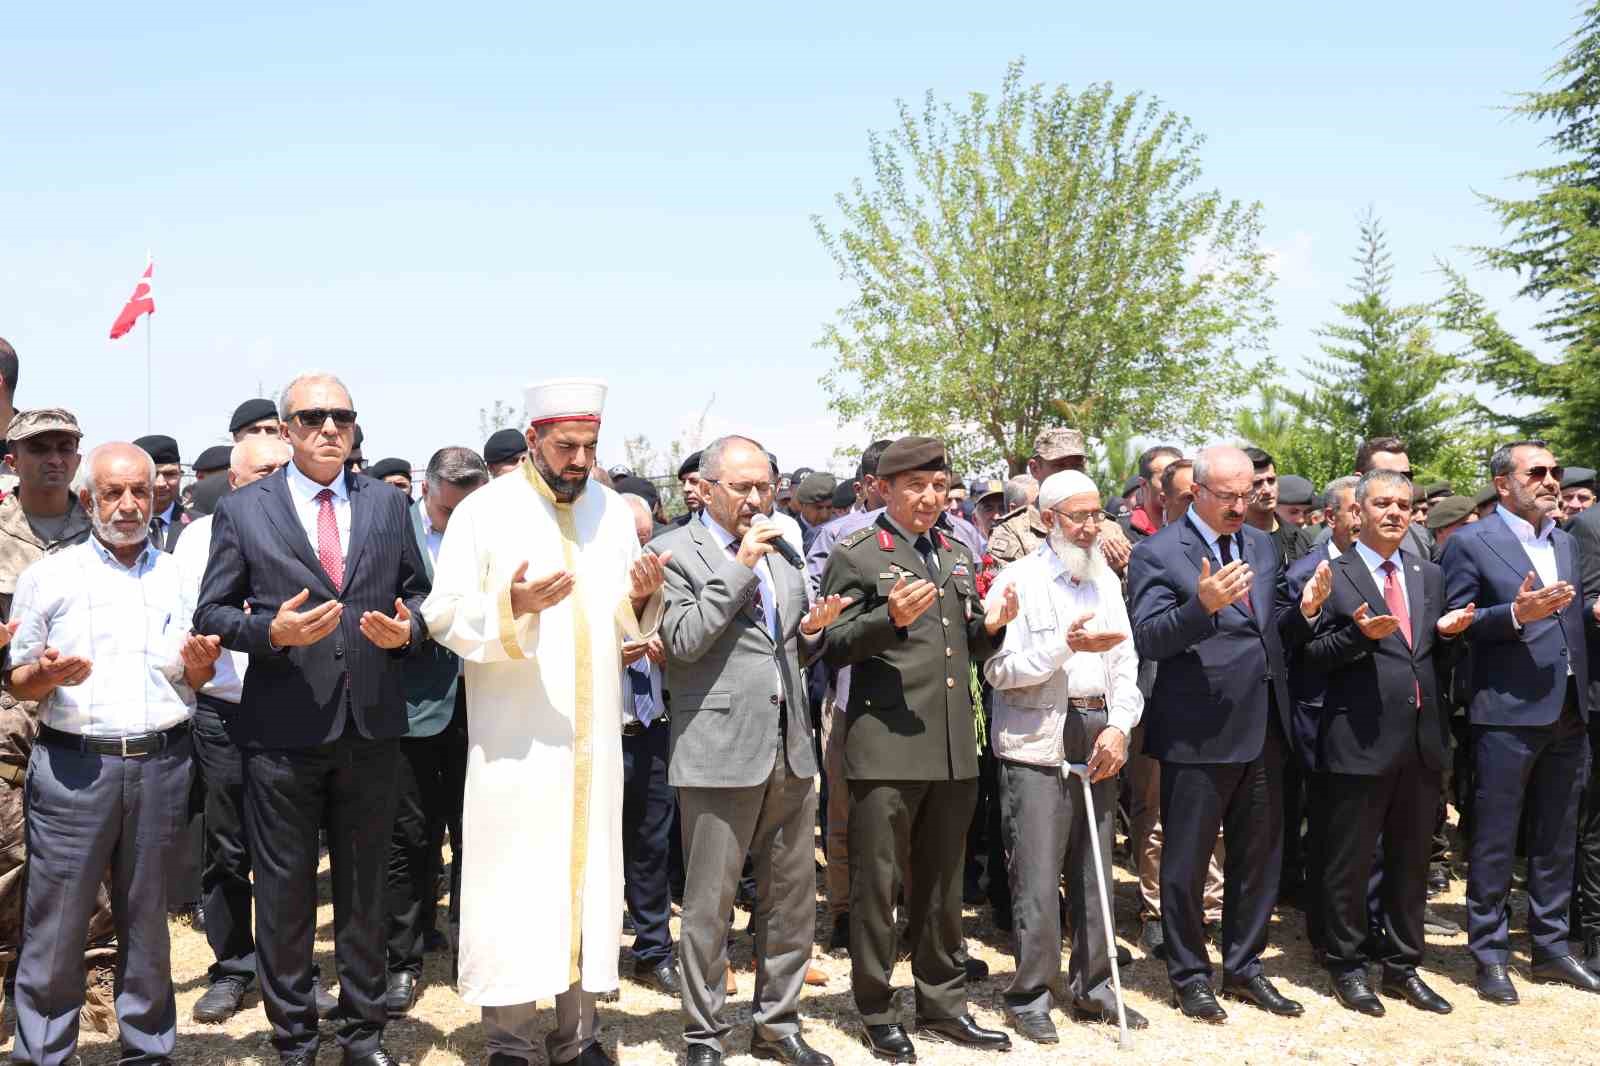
column 1530, row 703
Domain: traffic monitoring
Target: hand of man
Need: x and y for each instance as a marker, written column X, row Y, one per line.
column 293, row 628
column 633, row 651
column 57, row 670
column 647, row 574
column 656, row 650
column 1114, row 546
column 907, row 600
column 1226, row 586
column 1533, row 604
column 200, row 652
column 386, row 632
column 531, row 597
column 1000, row 615
column 1110, row 751
column 1374, row 626
column 1080, row 638
column 758, row 542
column 1456, row 621
column 823, row 614
column 8, row 631
column 1315, row 594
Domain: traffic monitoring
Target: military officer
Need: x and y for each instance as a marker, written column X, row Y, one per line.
column 1019, row 531
column 914, row 626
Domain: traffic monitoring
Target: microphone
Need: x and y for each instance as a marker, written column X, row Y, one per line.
column 781, row 545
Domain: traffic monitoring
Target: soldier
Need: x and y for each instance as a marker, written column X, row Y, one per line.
column 1018, row 532
column 41, row 517
column 913, row 627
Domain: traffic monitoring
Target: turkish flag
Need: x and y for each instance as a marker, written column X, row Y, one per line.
column 142, row 302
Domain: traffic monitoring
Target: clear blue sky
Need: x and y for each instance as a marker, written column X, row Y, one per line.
column 442, row 203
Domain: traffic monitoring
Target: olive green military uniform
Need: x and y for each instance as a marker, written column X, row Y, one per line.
column 1015, row 534
column 910, row 759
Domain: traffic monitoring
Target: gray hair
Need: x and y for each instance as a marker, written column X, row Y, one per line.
column 1393, row 479
column 461, row 467
column 1337, row 487
column 1018, row 489
column 711, row 458
column 301, row 379
column 1501, row 462
column 85, row 481
column 257, row 444
column 1206, row 458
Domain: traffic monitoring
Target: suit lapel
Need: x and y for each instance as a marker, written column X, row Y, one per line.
column 1504, row 543
column 1355, row 571
column 286, row 521
column 422, row 539
column 1414, row 596
column 713, row 554
column 360, row 524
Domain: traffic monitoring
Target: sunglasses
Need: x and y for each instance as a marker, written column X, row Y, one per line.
column 1539, row 473
column 316, row 417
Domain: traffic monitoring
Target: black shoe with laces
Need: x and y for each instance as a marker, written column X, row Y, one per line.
column 221, row 1001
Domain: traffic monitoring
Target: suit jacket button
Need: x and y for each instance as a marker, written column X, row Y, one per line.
column 949, row 682
column 944, row 621
column 949, row 652
column 338, row 653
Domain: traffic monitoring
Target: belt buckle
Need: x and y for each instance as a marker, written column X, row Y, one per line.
column 124, row 747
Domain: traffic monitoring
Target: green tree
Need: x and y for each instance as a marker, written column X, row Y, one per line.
column 1039, row 249
column 1554, row 249
column 1278, row 430
column 1380, row 373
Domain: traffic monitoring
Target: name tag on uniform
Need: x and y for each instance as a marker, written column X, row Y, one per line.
column 959, row 570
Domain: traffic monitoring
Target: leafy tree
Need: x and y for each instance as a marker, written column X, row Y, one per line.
column 501, row 415
column 1041, row 249
column 1293, row 443
column 1554, row 248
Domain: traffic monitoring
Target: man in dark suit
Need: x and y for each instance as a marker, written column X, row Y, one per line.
column 323, row 705
column 1207, row 605
column 1530, row 701
column 1585, row 530
column 912, row 629
column 1383, row 737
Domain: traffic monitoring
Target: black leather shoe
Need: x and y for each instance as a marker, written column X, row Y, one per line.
column 593, row 1055
column 792, row 1050
column 1096, row 1012
column 663, row 979
column 964, row 1031
column 1035, row 1025
column 1259, row 990
column 1197, row 1001
column 839, row 936
column 1354, row 993
column 1591, row 953
column 1566, row 970
column 704, row 1055
column 1438, row 879
column 402, row 994
column 1152, row 939
column 976, row 969
column 1494, row 985
column 890, row 1042
column 1436, row 924
column 1412, row 989
column 380, row 1057
column 221, row 1001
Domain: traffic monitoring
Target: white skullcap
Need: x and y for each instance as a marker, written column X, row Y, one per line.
column 566, row 400
column 1066, row 484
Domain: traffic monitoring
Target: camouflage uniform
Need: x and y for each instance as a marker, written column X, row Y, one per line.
column 1015, row 534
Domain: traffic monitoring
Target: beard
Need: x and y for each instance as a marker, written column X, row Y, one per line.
column 114, row 538
column 1083, row 564
column 566, row 489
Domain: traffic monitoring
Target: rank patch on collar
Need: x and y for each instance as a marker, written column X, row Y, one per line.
column 944, row 542
column 885, row 541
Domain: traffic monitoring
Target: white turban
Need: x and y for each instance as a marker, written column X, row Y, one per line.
column 566, row 399
column 1065, row 485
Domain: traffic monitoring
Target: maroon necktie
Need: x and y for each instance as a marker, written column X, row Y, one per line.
column 329, row 554
column 1224, row 546
column 1395, row 598
column 755, row 590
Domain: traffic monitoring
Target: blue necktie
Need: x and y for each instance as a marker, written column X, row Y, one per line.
column 644, row 702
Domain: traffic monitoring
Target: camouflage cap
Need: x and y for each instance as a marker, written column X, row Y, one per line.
column 27, row 424
column 1059, row 443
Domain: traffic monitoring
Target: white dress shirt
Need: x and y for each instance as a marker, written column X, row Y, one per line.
column 433, row 537
column 1541, row 548
column 125, row 621
column 1211, row 536
column 303, row 491
column 191, row 555
column 769, row 601
column 1374, row 564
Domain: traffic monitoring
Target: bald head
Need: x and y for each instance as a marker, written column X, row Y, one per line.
column 644, row 523
column 1223, row 477
column 254, row 457
column 118, row 494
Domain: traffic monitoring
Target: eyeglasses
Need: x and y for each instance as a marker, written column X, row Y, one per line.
column 1082, row 518
column 1539, row 473
column 315, row 417
column 741, row 489
column 1229, row 498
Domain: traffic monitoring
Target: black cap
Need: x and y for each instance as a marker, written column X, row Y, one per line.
column 816, row 488
column 911, row 453
column 645, row 489
column 1577, row 475
column 689, row 466
column 1295, row 490
column 844, row 495
column 216, row 457
column 384, row 467
column 250, row 412
column 1485, row 495
column 360, row 436
column 205, row 494
column 162, row 448
column 504, row 445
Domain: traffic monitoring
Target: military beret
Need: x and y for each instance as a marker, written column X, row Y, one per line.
column 25, row 424
column 162, row 448
column 1437, row 489
column 250, row 412
column 844, row 495
column 1487, row 494
column 1133, row 483
column 504, row 445
column 385, row 467
column 1295, row 490
column 800, row 473
column 1577, row 475
column 1448, row 510
column 216, row 457
column 911, row 453
column 816, row 488
column 689, row 466
column 360, row 436
column 205, row 494
column 632, row 485
column 1059, row 443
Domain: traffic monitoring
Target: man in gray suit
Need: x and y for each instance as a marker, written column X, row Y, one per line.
column 737, row 633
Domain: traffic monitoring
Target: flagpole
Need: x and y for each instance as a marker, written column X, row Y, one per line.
column 147, row 373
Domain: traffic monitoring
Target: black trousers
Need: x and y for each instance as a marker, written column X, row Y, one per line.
column 288, row 794
column 925, row 821
column 225, row 877
column 429, row 782
column 1399, row 806
column 1243, row 799
column 649, row 806
column 1296, row 780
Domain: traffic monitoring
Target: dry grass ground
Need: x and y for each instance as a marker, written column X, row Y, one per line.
column 1550, row 1026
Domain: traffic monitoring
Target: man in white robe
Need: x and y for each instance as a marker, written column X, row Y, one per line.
column 541, row 887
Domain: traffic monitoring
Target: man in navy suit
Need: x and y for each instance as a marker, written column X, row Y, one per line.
column 1530, row 702
column 1209, row 605
column 1382, row 738
column 334, row 581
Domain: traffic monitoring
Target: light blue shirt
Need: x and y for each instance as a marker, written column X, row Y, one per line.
column 641, row 691
column 1210, row 536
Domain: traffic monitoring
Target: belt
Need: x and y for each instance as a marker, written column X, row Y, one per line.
column 126, row 747
column 633, row 729
column 1087, row 703
column 12, row 775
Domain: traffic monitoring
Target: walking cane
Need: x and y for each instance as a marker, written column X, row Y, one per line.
column 1081, row 771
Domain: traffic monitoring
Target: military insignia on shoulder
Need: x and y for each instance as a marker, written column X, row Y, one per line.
column 851, row 540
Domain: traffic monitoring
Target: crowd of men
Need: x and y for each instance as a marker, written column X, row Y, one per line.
column 608, row 712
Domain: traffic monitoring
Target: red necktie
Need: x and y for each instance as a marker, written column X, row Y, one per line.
column 329, row 554
column 1397, row 607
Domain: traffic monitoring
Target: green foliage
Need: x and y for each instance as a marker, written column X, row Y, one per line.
column 1296, row 445
column 1113, row 459
column 1042, row 250
column 1554, row 249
